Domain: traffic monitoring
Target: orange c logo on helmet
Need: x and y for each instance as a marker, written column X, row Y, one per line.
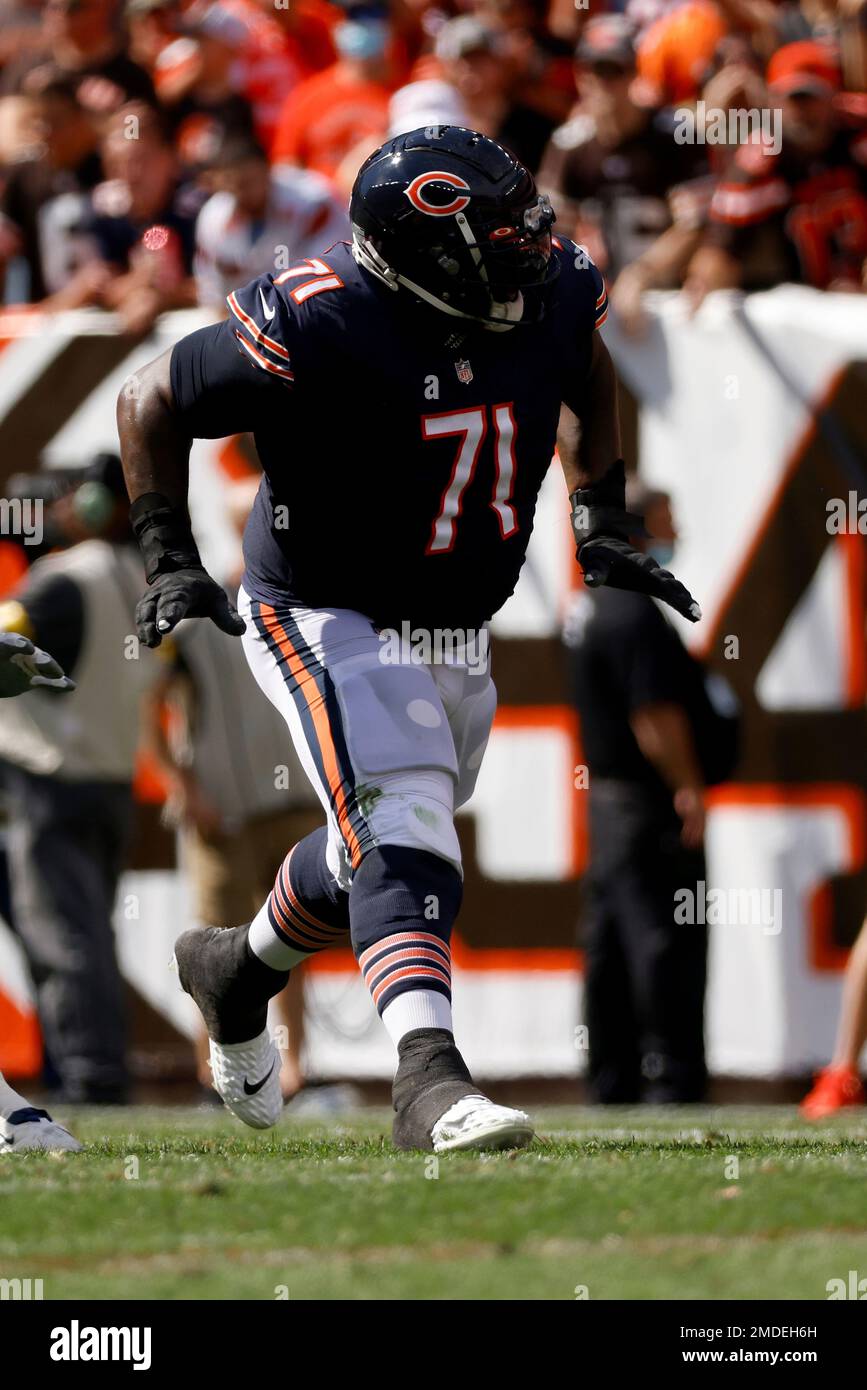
column 415, row 193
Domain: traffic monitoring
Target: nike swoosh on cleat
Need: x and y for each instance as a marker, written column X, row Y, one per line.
column 269, row 313
column 251, row 1090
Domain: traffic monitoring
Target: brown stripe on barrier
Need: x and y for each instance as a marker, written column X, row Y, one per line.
column 53, row 398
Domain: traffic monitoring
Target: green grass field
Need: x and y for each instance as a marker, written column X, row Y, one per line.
column 629, row 1204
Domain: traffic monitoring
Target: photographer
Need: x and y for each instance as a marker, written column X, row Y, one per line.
column 68, row 776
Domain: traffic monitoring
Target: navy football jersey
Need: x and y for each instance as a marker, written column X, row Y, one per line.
column 403, row 450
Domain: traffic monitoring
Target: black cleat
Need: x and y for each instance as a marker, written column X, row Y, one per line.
column 437, row 1106
column 230, row 985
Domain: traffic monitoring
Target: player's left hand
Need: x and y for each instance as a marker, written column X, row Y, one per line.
column 25, row 667
column 602, row 528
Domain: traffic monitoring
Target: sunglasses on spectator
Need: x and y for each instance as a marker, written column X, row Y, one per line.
column 608, row 71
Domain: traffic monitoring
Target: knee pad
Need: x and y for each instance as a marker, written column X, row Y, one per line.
column 398, row 889
column 414, row 810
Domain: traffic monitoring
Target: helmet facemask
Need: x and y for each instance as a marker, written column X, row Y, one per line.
column 496, row 273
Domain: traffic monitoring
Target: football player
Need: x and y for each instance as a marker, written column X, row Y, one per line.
column 404, row 391
column 22, row 1127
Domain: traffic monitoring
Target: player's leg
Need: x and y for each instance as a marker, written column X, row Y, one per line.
column 407, row 965
column 233, row 974
column 219, row 870
column 378, row 745
column 24, row 1128
column 288, row 1009
column 414, row 738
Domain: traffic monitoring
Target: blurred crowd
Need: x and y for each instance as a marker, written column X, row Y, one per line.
column 157, row 153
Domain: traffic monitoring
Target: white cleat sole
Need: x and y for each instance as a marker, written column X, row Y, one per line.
column 476, row 1123
column 247, row 1080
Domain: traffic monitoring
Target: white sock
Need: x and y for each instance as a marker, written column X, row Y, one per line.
column 266, row 944
column 416, row 1008
column 10, row 1101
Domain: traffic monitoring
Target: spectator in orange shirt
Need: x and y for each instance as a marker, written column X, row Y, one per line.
column 307, row 27
column 676, row 52
column 344, row 108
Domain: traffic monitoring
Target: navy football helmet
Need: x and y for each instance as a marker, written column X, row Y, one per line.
column 455, row 219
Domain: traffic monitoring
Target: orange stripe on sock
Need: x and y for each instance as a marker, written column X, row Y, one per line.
column 296, row 902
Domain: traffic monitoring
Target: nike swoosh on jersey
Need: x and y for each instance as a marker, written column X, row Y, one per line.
column 251, row 1090
column 269, row 313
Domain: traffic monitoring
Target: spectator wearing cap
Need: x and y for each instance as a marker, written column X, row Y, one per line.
column 230, row 58
column 68, row 778
column 151, row 25
column 141, row 227
column 335, row 118
column 44, row 198
column 771, row 26
column 799, row 215
column 198, row 84
column 82, row 39
column 619, row 183
column 475, row 62
column 427, row 101
column 260, row 219
column 540, row 67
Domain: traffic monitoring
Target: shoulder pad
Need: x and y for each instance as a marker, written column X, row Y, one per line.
column 581, row 282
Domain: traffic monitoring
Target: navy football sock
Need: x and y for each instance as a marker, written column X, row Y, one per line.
column 306, row 910
column 402, row 905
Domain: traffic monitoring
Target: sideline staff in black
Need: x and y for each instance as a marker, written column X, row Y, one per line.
column 637, row 691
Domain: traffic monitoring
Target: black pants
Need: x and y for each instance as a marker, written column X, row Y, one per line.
column 645, row 973
column 66, row 850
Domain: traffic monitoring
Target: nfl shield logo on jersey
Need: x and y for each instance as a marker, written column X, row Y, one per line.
column 464, row 371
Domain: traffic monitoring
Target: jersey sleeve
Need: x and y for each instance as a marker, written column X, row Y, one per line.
column 600, row 309
column 218, row 388
column 584, row 283
column 263, row 327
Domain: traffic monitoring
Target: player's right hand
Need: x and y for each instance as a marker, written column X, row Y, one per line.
column 184, row 593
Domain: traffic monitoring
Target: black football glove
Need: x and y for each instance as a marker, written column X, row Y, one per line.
column 179, row 585
column 25, row 667
column 602, row 528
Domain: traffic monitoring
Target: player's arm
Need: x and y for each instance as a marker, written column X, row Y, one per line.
column 218, row 381
column 155, row 441
column 588, row 437
column 588, row 443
